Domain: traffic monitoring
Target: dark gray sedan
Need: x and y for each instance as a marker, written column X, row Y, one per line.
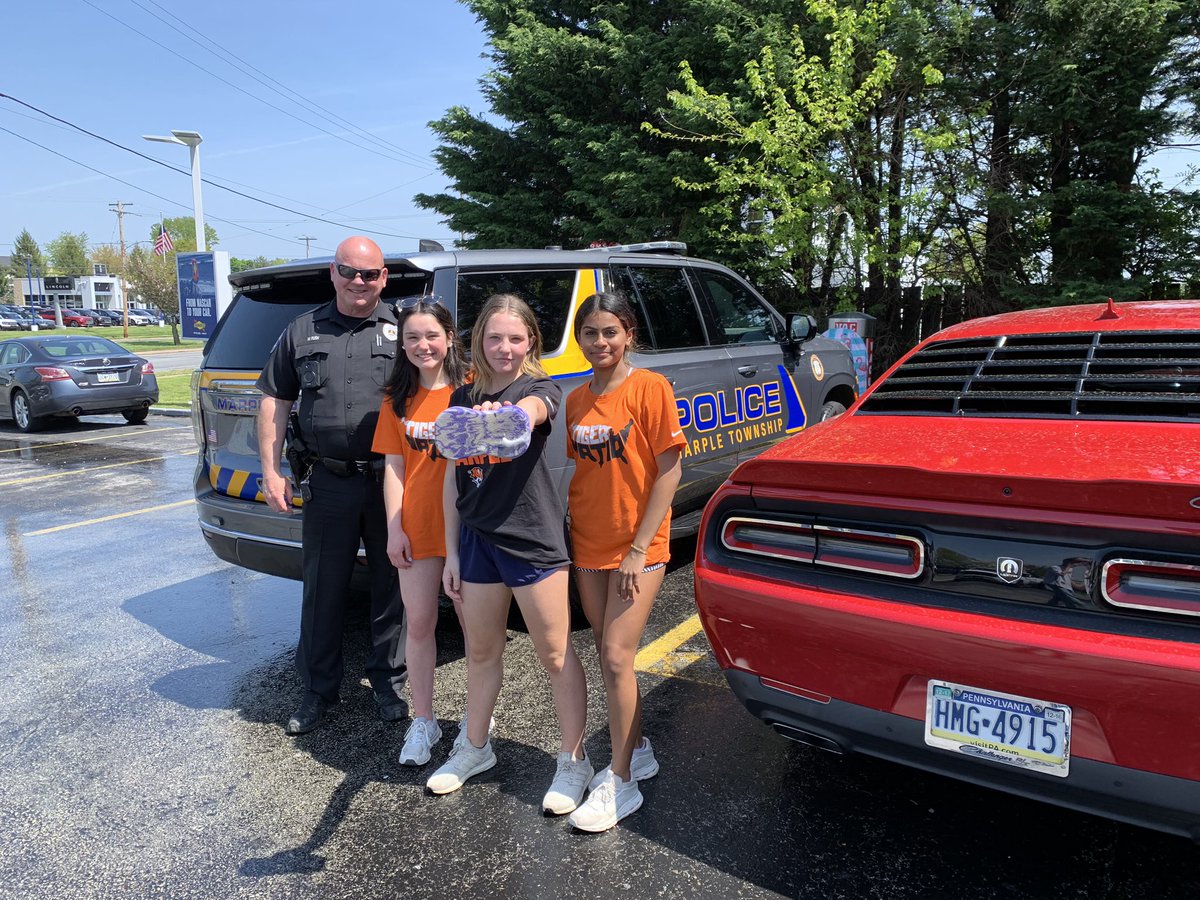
column 42, row 376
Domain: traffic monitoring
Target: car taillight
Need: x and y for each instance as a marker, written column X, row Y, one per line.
column 52, row 373
column 1155, row 586
column 872, row 552
column 147, row 368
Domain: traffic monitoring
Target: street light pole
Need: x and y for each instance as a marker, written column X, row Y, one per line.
column 190, row 139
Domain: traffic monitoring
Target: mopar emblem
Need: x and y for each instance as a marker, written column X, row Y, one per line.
column 1008, row 569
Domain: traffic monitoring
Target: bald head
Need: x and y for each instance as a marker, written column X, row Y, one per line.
column 358, row 295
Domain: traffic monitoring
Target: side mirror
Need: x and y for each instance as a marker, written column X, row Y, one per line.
column 800, row 328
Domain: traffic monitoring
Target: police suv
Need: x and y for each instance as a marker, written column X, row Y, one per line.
column 744, row 375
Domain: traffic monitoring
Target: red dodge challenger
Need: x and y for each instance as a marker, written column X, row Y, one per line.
column 989, row 567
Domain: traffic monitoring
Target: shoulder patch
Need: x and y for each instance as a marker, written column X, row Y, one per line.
column 389, row 331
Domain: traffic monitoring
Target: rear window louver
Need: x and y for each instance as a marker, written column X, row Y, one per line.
column 1145, row 375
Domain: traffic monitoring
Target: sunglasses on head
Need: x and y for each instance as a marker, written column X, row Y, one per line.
column 419, row 300
column 350, row 273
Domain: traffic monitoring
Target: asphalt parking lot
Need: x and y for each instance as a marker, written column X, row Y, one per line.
column 145, row 685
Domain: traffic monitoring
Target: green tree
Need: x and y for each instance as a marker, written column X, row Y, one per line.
column 561, row 157
column 109, row 256
column 69, row 254
column 258, row 262
column 26, row 249
column 183, row 233
column 153, row 278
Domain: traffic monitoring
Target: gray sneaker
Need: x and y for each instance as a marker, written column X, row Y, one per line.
column 466, row 761
column 642, row 765
column 462, row 730
column 422, row 734
column 608, row 804
column 571, row 777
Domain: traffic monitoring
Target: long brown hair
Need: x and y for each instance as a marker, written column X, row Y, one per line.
column 405, row 379
column 482, row 372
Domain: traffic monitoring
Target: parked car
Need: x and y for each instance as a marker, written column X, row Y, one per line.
column 142, row 316
column 23, row 316
column 989, row 567
column 44, row 376
column 744, row 375
column 71, row 318
column 109, row 316
column 10, row 321
column 93, row 316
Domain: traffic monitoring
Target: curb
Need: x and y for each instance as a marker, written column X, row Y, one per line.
column 170, row 411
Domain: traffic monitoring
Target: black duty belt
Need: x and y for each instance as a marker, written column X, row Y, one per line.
column 347, row 467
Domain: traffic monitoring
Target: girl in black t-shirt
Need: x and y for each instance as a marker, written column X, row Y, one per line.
column 504, row 538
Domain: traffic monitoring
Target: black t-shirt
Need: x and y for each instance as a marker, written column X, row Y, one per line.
column 337, row 365
column 514, row 502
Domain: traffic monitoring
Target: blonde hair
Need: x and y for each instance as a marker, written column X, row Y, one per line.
column 482, row 373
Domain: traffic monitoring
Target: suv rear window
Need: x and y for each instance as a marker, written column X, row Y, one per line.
column 249, row 332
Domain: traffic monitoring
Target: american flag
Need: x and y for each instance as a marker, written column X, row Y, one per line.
column 163, row 243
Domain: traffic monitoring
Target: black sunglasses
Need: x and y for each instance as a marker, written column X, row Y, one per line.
column 419, row 300
column 350, row 273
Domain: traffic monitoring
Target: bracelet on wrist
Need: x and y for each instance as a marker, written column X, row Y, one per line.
column 634, row 548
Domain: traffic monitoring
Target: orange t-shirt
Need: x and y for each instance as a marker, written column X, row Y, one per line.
column 614, row 439
column 411, row 438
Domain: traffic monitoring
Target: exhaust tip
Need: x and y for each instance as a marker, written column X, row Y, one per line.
column 819, row 741
column 77, row 410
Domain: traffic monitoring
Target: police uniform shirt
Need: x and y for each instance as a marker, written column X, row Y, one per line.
column 337, row 366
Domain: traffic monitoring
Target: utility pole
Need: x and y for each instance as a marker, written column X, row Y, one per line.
column 307, row 240
column 119, row 209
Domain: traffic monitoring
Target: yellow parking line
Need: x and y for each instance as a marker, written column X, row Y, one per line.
column 124, row 515
column 662, row 656
column 101, row 437
column 88, row 470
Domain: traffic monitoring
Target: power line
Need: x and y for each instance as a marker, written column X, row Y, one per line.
column 241, row 90
column 159, row 162
column 242, row 65
column 142, row 189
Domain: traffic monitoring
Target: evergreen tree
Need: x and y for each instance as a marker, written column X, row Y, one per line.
column 26, row 249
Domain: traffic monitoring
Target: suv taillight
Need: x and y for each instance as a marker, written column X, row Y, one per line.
column 871, row 552
column 1155, row 586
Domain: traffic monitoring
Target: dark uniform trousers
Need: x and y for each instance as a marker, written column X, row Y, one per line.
column 342, row 510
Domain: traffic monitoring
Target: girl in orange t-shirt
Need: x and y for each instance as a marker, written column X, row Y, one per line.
column 418, row 389
column 623, row 433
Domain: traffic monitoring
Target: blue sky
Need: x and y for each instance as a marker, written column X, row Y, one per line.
column 387, row 68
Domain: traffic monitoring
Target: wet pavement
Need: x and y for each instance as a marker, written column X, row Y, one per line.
column 145, row 685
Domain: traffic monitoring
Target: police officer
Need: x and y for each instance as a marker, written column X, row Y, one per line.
column 336, row 360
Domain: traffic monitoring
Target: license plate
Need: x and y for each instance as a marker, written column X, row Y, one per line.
column 1004, row 728
column 106, row 377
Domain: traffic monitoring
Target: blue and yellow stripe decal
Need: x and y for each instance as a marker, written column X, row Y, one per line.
column 571, row 363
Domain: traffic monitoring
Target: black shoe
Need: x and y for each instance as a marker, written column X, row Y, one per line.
column 391, row 708
column 309, row 715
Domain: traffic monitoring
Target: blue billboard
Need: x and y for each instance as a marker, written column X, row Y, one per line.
column 198, row 311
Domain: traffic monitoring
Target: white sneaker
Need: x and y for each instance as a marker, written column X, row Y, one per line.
column 422, row 734
column 571, row 778
column 608, row 804
column 462, row 730
column 642, row 765
column 466, row 761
